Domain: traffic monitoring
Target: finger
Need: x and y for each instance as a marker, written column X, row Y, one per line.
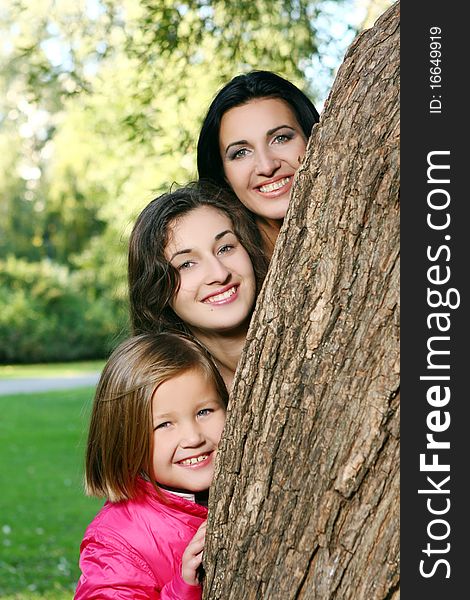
column 199, row 535
column 195, row 561
column 195, row 546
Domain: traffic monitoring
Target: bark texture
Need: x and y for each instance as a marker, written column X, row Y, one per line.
column 306, row 498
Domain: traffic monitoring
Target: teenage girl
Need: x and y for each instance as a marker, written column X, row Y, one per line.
column 196, row 265
column 156, row 422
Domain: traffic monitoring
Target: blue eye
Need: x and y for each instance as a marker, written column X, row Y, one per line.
column 204, row 412
column 239, row 154
column 186, row 265
column 282, row 138
column 225, row 248
column 164, row 425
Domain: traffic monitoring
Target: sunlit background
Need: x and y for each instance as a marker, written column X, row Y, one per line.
column 100, row 106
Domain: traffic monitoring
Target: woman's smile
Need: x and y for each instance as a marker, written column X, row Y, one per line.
column 224, row 296
column 276, row 187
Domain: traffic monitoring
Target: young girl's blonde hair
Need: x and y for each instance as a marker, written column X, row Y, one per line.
column 120, row 438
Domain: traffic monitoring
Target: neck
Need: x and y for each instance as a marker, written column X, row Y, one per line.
column 225, row 349
column 198, row 497
column 269, row 229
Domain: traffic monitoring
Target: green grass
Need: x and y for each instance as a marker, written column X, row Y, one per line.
column 51, row 369
column 43, row 510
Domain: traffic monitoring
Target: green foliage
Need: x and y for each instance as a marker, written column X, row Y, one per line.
column 43, row 509
column 100, row 108
column 49, row 313
column 244, row 34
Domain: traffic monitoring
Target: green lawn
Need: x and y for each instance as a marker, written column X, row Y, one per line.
column 51, row 369
column 43, row 511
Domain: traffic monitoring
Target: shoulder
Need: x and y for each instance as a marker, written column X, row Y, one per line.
column 109, row 561
column 147, row 527
column 139, row 540
column 148, row 505
column 125, row 520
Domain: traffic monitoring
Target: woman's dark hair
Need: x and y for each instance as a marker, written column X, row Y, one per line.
column 238, row 91
column 153, row 281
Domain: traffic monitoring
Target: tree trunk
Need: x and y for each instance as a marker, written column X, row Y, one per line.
column 306, row 498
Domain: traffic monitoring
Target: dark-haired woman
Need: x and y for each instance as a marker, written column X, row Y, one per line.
column 252, row 140
column 195, row 265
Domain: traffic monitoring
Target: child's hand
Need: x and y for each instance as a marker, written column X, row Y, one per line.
column 192, row 556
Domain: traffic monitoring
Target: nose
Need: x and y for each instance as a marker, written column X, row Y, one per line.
column 217, row 271
column 191, row 436
column 266, row 163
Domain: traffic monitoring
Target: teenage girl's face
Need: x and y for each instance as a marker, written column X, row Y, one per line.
column 217, row 282
column 261, row 145
column 188, row 418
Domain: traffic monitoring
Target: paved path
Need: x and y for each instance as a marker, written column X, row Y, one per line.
column 44, row 384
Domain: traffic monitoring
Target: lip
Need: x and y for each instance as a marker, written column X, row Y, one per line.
column 229, row 299
column 198, row 465
column 275, row 193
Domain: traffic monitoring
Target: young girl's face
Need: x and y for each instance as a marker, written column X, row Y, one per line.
column 217, row 282
column 261, row 144
column 188, row 418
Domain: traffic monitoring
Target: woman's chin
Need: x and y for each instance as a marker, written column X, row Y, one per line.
column 272, row 210
column 221, row 328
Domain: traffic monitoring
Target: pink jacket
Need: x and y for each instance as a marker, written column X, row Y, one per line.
column 133, row 549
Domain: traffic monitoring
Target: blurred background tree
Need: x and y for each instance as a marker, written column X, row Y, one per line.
column 100, row 107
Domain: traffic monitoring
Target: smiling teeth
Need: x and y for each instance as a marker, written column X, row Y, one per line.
column 193, row 461
column 222, row 296
column 271, row 187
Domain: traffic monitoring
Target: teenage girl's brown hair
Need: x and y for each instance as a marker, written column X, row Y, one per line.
column 120, row 437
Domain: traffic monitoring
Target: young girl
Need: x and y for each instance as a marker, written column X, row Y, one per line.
column 196, row 265
column 156, row 422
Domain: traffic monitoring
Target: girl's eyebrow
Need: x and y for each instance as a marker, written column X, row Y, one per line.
column 200, row 404
column 268, row 133
column 274, row 129
column 186, row 251
column 222, row 233
column 189, row 250
column 162, row 416
column 239, row 143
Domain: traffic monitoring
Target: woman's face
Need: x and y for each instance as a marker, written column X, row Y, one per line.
column 217, row 283
column 261, row 145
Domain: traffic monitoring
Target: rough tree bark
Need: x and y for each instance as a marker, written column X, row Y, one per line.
column 306, row 498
